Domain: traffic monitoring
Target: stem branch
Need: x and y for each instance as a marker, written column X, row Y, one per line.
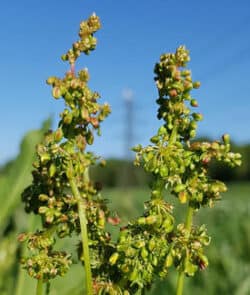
column 84, row 232
column 39, row 287
column 188, row 225
column 173, row 135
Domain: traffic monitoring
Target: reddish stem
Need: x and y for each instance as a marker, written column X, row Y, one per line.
column 72, row 68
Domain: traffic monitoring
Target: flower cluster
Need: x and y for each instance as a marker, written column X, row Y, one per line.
column 153, row 243
column 61, row 191
column 87, row 41
column 143, row 245
column 45, row 263
column 187, row 249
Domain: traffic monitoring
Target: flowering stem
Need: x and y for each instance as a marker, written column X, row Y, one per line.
column 188, row 225
column 84, row 232
column 39, row 287
column 173, row 135
column 180, row 283
column 72, row 68
column 189, row 218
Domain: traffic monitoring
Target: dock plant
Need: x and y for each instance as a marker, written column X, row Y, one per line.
column 70, row 203
column 179, row 165
column 61, row 192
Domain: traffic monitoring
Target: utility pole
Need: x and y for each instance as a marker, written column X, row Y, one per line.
column 127, row 172
column 128, row 95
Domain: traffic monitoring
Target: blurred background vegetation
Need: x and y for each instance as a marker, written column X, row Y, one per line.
column 126, row 187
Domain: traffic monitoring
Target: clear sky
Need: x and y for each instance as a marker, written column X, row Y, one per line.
column 34, row 34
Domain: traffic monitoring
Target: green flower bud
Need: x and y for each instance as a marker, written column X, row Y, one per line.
column 56, row 92
column 162, row 131
column 113, row 258
column 137, row 148
column 74, row 83
column 90, row 138
column 64, row 57
column 68, row 97
column 42, row 209
column 163, row 171
column 68, row 118
column 141, row 220
column 197, row 116
column 190, row 268
column 155, row 139
column 63, row 90
column 193, row 124
column 134, row 275
column 51, row 80
column 130, row 252
column 169, row 261
column 69, row 172
column 196, row 84
column 226, row 138
column 52, row 170
column 49, row 217
column 170, row 126
column 45, row 158
column 151, row 219
column 151, row 244
column 156, row 194
column 215, row 145
column 179, row 188
column 237, row 162
column 125, row 268
column 185, row 73
column 144, row 253
column 188, row 86
column 182, row 197
column 194, row 103
column 154, row 260
column 58, row 135
column 139, row 244
column 203, row 261
column 168, row 224
column 43, row 197
column 192, row 133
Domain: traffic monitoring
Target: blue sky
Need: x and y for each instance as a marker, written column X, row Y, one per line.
column 35, row 33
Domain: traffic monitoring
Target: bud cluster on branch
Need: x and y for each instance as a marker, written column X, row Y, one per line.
column 61, row 192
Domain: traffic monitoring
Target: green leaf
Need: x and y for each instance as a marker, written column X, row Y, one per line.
column 18, row 175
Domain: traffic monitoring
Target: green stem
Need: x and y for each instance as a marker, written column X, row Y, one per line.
column 180, row 283
column 173, row 135
column 39, row 287
column 20, row 286
column 188, row 225
column 189, row 218
column 84, row 232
